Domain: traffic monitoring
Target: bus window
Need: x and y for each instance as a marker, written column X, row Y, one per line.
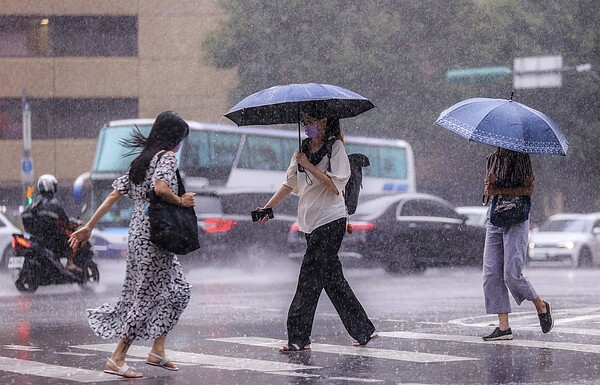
column 110, row 154
column 119, row 214
column 267, row 153
column 386, row 162
column 209, row 154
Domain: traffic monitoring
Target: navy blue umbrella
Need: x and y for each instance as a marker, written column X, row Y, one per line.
column 282, row 104
column 505, row 123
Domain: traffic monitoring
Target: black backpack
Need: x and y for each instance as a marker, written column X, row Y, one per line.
column 352, row 189
column 39, row 225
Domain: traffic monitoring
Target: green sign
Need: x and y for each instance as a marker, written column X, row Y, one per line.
column 478, row 75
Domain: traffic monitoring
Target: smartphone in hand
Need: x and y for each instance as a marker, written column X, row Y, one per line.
column 258, row 215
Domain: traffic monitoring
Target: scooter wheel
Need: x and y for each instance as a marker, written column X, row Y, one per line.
column 92, row 276
column 23, row 282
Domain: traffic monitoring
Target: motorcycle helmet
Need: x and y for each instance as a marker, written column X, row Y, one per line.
column 47, row 184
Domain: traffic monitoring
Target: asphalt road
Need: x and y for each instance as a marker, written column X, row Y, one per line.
column 430, row 328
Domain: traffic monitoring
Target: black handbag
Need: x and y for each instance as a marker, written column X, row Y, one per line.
column 173, row 227
column 509, row 210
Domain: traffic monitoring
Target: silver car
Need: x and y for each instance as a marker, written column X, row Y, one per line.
column 566, row 239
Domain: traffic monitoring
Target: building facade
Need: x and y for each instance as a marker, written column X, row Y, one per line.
column 82, row 63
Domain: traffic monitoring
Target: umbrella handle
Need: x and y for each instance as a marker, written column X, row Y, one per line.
column 298, row 119
column 300, row 168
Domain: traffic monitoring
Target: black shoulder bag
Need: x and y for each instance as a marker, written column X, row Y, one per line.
column 509, row 210
column 172, row 227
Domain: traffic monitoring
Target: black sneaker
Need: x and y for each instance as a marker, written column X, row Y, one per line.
column 546, row 320
column 498, row 335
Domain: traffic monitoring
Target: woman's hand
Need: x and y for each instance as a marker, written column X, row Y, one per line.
column 188, row 199
column 302, row 160
column 265, row 218
column 80, row 236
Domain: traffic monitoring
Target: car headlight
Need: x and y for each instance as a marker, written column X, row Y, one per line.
column 565, row 245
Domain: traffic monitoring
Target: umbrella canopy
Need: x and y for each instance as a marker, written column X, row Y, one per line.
column 282, row 104
column 505, row 123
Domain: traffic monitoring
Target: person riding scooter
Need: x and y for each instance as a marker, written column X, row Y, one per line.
column 47, row 222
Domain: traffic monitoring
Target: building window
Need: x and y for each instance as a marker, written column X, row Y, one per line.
column 64, row 118
column 58, row 36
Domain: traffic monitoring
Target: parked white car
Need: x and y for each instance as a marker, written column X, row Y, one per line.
column 566, row 239
column 476, row 215
column 7, row 229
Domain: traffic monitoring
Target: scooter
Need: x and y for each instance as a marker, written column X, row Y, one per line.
column 35, row 266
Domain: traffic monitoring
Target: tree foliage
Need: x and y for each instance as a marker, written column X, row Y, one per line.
column 396, row 53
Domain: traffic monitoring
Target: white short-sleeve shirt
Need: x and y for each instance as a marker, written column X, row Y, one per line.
column 317, row 205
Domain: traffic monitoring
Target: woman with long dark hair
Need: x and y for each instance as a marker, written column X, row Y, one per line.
column 509, row 183
column 322, row 217
column 155, row 291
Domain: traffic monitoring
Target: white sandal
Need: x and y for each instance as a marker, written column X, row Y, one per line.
column 163, row 362
column 121, row 370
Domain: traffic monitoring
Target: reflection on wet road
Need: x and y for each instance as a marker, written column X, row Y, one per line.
column 430, row 328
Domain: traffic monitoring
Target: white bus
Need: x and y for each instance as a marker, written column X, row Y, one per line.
column 224, row 156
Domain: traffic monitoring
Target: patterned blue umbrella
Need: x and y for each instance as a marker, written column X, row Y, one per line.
column 505, row 123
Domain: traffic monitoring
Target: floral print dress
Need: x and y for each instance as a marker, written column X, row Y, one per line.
column 155, row 291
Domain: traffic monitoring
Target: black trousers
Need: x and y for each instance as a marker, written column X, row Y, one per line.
column 321, row 269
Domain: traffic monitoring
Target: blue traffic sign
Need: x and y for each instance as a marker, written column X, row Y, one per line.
column 27, row 166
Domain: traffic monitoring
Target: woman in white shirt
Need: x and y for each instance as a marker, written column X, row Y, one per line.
column 322, row 217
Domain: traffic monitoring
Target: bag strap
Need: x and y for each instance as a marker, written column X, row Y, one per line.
column 329, row 147
column 490, row 166
column 180, row 186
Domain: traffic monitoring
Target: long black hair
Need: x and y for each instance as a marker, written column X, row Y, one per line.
column 168, row 130
column 510, row 167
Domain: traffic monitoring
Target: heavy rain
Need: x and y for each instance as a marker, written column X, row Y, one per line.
column 466, row 111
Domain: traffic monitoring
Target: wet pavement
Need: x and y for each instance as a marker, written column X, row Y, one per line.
column 430, row 327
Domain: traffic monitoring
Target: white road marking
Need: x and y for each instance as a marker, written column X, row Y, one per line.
column 354, row 379
column 562, row 321
column 477, row 340
column 294, row 374
column 209, row 361
column 41, row 369
column 75, row 354
column 530, row 321
column 568, row 330
column 397, row 355
column 22, row 347
column 489, row 320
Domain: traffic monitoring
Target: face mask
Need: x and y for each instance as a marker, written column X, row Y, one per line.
column 176, row 148
column 311, row 130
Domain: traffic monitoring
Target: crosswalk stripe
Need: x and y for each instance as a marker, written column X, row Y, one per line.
column 568, row 330
column 478, row 340
column 561, row 317
column 211, row 361
column 397, row 355
column 22, row 347
column 353, row 379
column 41, row 369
